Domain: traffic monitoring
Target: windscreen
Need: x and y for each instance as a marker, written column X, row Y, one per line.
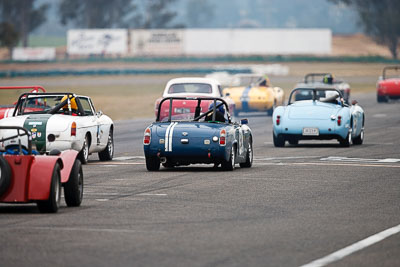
column 190, row 88
column 189, row 109
column 39, row 104
column 322, row 95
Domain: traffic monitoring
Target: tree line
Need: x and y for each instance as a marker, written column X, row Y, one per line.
column 18, row 18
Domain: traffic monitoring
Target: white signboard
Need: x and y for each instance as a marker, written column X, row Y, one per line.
column 33, row 53
column 157, row 42
column 97, row 41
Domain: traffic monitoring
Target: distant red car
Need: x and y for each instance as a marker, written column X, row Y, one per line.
column 388, row 86
column 7, row 111
column 26, row 177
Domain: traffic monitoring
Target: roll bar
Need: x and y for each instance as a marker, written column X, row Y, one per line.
column 199, row 99
column 25, row 132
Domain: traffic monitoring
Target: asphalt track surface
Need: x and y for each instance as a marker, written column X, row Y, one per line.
column 295, row 205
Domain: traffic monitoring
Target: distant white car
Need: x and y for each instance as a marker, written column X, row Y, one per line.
column 192, row 87
column 61, row 121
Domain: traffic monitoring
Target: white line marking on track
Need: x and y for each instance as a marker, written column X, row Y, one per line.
column 150, row 194
column 102, row 199
column 325, row 164
column 279, row 158
column 379, row 115
column 388, row 160
column 128, row 158
column 340, row 254
column 109, row 164
column 345, row 164
column 83, row 229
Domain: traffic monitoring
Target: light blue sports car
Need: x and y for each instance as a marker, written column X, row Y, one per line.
column 318, row 113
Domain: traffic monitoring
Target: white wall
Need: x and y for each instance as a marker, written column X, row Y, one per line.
column 258, row 41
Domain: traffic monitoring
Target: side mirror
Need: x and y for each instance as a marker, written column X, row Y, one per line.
column 99, row 113
column 227, row 94
column 244, row 121
column 354, row 102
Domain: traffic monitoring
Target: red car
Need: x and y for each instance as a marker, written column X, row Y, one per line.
column 26, row 177
column 7, row 111
column 388, row 87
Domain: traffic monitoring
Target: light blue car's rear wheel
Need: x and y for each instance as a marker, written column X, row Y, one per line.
column 279, row 141
column 359, row 139
column 347, row 141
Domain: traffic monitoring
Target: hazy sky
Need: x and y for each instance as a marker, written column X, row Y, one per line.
column 245, row 13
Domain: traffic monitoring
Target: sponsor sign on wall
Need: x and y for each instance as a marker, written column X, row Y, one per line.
column 157, row 42
column 33, row 53
column 97, row 41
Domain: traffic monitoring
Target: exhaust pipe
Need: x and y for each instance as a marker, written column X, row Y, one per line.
column 163, row 160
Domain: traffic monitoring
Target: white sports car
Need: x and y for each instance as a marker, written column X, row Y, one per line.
column 61, row 121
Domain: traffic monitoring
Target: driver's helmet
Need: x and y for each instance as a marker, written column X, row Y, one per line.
column 74, row 106
column 220, row 108
column 328, row 79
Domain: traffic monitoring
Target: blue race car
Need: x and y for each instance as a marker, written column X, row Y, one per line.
column 318, row 113
column 197, row 136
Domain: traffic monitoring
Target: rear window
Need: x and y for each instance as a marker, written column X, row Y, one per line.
column 190, row 88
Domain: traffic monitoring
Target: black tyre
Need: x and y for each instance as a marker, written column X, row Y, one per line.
column 5, row 175
column 293, row 141
column 249, row 157
column 347, row 141
column 229, row 165
column 279, row 141
column 84, row 153
column 359, row 139
column 152, row 163
column 271, row 110
column 52, row 204
column 73, row 189
column 108, row 152
column 381, row 99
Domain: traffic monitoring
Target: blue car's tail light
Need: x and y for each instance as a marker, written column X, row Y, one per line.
column 339, row 120
column 147, row 136
column 222, row 137
column 278, row 120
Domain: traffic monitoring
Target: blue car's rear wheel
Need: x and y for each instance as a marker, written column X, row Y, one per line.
column 152, row 163
column 229, row 165
column 249, row 157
